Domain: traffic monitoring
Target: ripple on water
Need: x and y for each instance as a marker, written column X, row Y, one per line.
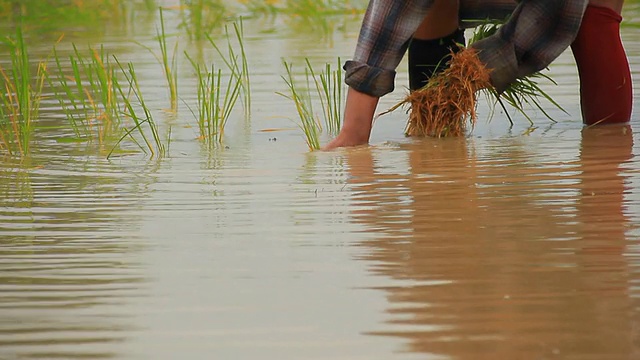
column 511, row 243
column 69, row 265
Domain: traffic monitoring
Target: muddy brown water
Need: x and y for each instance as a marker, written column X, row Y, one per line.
column 518, row 243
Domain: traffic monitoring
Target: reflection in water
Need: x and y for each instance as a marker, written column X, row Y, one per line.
column 67, row 268
column 505, row 256
column 488, row 249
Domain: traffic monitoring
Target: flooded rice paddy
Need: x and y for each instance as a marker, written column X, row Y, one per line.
column 511, row 243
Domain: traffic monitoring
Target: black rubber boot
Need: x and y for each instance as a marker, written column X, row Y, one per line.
column 428, row 57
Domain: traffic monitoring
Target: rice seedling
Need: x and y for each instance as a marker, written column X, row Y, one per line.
column 152, row 143
column 218, row 91
column 68, row 89
column 20, row 97
column 239, row 68
column 445, row 105
column 522, row 92
column 216, row 100
column 310, row 126
column 96, row 102
column 330, row 89
column 95, row 84
column 169, row 67
column 448, row 101
column 168, row 62
column 101, row 80
column 86, row 89
column 246, row 84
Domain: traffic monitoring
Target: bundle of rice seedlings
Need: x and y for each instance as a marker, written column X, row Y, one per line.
column 523, row 92
column 445, row 105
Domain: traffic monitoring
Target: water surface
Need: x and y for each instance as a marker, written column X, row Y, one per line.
column 511, row 243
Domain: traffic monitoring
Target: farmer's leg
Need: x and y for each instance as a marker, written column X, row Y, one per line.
column 615, row 5
column 606, row 93
column 433, row 42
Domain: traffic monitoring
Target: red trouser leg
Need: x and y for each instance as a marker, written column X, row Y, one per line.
column 606, row 93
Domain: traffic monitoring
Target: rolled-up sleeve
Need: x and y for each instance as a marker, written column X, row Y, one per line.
column 536, row 34
column 387, row 27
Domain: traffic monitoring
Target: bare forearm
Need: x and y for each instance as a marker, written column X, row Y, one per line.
column 358, row 120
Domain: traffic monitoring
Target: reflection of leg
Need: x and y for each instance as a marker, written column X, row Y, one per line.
column 604, row 235
column 601, row 208
column 433, row 42
column 605, row 78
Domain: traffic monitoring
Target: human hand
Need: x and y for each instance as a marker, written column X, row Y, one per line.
column 346, row 139
column 358, row 121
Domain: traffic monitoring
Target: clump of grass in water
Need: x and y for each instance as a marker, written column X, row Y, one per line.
column 102, row 83
column 304, row 107
column 169, row 63
column 230, row 60
column 96, row 102
column 88, row 96
column 330, row 90
column 216, row 101
column 20, row 98
column 72, row 96
column 154, row 145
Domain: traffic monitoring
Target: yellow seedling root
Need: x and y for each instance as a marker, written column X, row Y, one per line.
column 445, row 105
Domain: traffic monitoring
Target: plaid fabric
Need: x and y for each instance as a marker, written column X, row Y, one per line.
column 537, row 32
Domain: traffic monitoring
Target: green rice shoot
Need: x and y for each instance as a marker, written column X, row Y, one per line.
column 20, row 97
column 236, row 62
column 301, row 98
column 330, row 89
column 216, row 99
column 169, row 67
column 139, row 113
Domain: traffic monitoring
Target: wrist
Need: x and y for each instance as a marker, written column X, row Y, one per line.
column 357, row 134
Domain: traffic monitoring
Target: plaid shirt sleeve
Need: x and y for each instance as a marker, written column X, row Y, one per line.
column 387, row 28
column 537, row 32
